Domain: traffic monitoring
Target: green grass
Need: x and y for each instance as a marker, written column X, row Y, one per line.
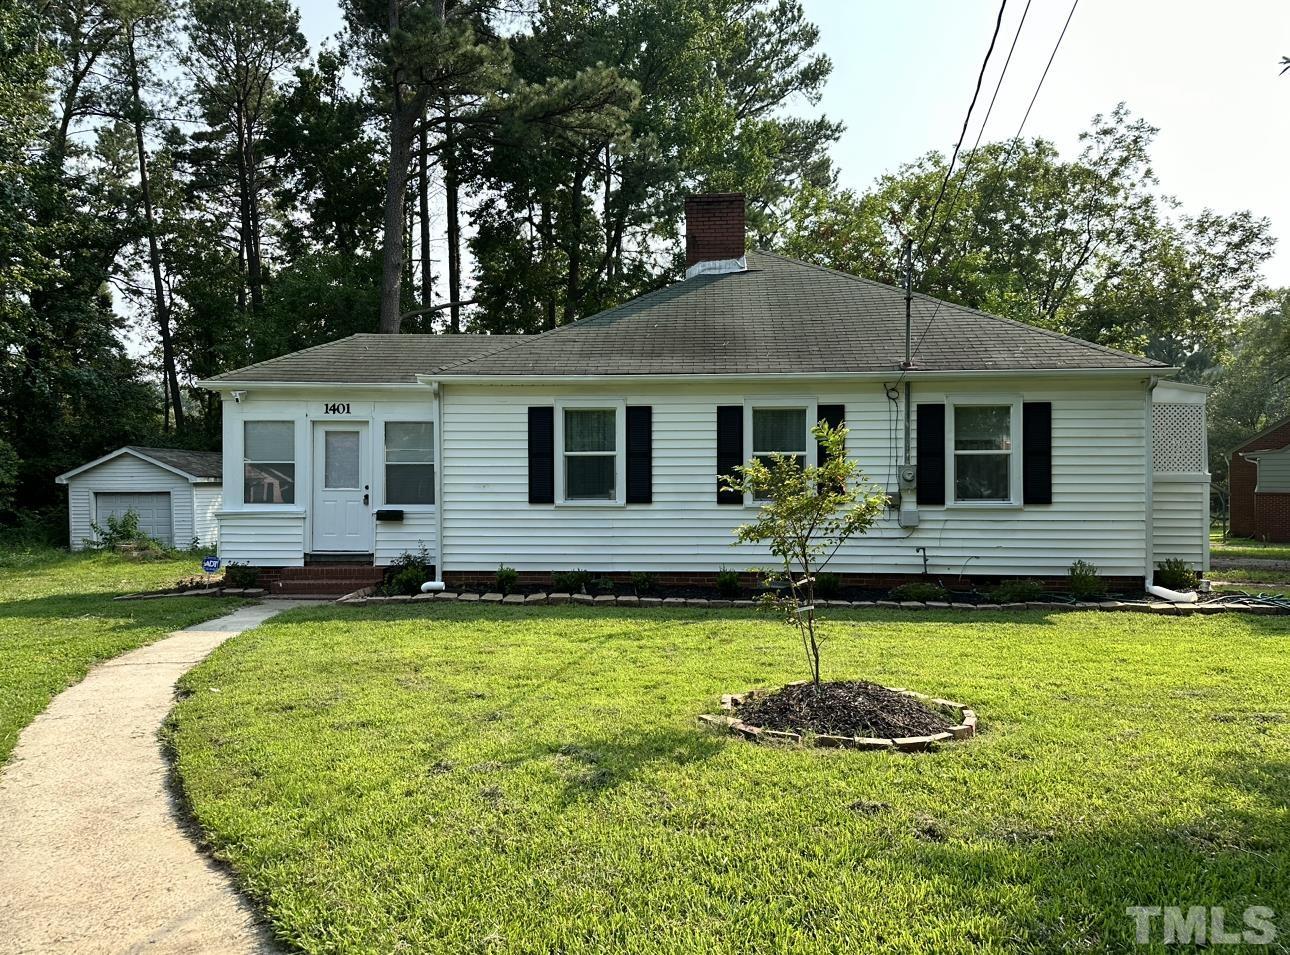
column 1243, row 575
column 1236, row 547
column 58, row 619
column 532, row 780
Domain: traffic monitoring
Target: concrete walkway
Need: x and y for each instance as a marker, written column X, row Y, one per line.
column 93, row 854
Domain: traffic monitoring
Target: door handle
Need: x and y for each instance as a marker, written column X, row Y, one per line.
column 365, row 497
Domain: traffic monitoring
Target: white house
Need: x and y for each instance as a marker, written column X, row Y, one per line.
column 598, row 445
column 175, row 493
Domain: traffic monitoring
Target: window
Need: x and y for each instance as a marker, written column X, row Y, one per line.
column 409, row 462
column 779, row 431
column 983, row 452
column 590, row 450
column 269, row 458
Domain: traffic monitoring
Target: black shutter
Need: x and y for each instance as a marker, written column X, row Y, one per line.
column 832, row 415
column 730, row 449
column 640, row 454
column 931, row 454
column 542, row 455
column 1037, row 452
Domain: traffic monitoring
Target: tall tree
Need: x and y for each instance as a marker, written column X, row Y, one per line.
column 237, row 51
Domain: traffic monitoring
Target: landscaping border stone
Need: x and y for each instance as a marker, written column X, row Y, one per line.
column 966, row 728
column 1235, row 605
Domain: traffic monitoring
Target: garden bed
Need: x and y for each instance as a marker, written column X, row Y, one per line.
column 851, row 714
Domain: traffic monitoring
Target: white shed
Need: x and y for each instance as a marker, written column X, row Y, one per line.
column 176, row 494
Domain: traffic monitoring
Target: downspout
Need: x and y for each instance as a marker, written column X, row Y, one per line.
column 436, row 389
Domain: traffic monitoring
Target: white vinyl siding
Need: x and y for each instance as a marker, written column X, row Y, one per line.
column 1273, row 472
column 263, row 538
column 207, row 500
column 1099, row 484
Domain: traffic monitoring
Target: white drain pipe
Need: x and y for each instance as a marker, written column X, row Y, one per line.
column 1173, row 596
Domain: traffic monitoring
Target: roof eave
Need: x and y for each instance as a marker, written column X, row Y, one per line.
column 1144, row 371
column 220, row 385
column 111, row 455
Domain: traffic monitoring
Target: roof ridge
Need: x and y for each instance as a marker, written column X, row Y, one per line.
column 1146, row 362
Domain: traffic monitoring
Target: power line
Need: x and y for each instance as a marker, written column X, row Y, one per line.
column 949, row 171
column 1011, row 145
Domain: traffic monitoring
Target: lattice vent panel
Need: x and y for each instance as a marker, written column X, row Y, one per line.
column 1178, row 439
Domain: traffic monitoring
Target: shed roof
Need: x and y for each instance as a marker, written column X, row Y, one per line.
column 199, row 467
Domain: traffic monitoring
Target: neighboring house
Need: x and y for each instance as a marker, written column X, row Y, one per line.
column 175, row 493
column 1259, row 485
column 598, row 445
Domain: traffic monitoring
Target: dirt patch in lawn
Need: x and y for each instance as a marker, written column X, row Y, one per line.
column 844, row 708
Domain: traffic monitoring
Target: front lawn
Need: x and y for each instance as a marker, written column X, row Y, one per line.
column 58, row 619
column 468, row 779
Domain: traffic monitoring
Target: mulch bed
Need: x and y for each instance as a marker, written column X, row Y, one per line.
column 844, row 708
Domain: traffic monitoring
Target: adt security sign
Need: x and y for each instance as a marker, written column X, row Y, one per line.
column 210, row 564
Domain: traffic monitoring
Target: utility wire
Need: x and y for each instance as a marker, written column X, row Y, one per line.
column 1011, row 145
column 949, row 170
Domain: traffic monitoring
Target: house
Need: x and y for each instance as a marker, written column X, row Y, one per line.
column 1259, row 485
column 175, row 493
column 1008, row 450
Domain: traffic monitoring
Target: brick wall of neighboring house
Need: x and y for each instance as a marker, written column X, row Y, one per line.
column 1260, row 515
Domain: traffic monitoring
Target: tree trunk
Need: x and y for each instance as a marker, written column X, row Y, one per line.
column 451, row 186
column 544, row 229
column 423, row 210
column 573, row 279
column 169, row 372
column 254, row 270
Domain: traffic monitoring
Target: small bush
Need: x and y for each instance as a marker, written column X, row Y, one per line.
column 419, row 558
column 507, row 578
column 571, row 581
column 604, row 585
column 919, row 590
column 1084, row 580
column 643, row 583
column 728, row 583
column 828, row 586
column 240, row 575
column 407, row 581
column 120, row 531
column 1175, row 574
column 1016, row 592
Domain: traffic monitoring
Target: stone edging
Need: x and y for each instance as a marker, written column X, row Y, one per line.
column 199, row 592
column 1156, row 607
column 965, row 729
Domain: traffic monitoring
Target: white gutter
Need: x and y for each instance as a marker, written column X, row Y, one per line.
column 790, row 377
column 222, row 386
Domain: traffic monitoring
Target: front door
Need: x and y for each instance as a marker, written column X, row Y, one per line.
column 342, row 513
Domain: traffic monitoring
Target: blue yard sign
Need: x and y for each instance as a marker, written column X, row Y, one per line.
column 210, row 564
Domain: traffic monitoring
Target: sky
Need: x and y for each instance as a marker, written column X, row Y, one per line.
column 1204, row 71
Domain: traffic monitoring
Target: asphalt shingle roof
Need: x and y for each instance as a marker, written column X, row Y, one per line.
column 781, row 316
column 200, row 464
column 371, row 359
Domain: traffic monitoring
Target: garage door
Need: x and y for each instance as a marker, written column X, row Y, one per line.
column 153, row 511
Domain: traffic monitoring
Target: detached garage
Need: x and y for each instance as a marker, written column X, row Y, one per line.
column 175, row 493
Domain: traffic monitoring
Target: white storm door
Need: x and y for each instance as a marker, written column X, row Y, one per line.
column 342, row 514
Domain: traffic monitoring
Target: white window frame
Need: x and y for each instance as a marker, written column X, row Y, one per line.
column 295, row 463
column 434, row 440
column 1013, row 402
column 619, row 407
column 786, row 403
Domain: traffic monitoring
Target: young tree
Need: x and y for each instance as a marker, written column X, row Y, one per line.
column 808, row 513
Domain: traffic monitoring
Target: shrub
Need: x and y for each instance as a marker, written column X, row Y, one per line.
column 571, row 581
column 507, row 578
column 1016, row 592
column 728, row 583
column 406, row 581
column 419, row 558
column 920, row 590
column 643, row 583
column 1084, row 581
column 603, row 585
column 828, row 586
column 123, row 530
column 1175, row 574
column 240, row 575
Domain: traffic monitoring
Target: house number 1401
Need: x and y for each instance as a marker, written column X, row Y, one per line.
column 336, row 408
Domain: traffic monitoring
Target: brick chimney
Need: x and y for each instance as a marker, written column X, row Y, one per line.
column 714, row 228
